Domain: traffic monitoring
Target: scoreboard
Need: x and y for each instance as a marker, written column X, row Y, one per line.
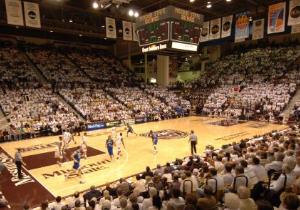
column 185, row 32
column 154, row 33
column 169, row 28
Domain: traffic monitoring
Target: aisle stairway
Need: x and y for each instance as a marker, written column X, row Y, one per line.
column 290, row 106
column 3, row 121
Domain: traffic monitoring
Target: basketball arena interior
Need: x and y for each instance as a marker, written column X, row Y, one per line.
column 149, row 104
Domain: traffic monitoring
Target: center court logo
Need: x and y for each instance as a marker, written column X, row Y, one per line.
column 168, row 134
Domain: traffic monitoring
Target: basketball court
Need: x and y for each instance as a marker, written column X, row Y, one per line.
column 98, row 169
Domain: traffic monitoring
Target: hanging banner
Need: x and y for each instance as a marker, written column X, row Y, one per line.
column 32, row 14
column 241, row 26
column 295, row 29
column 258, row 29
column 276, row 18
column 226, row 26
column 14, row 12
column 110, row 24
column 204, row 36
column 134, row 32
column 294, row 13
column 127, row 31
column 215, row 29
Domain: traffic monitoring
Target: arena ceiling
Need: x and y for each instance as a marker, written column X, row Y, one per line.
column 219, row 7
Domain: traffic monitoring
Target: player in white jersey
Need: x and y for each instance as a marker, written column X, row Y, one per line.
column 113, row 133
column 59, row 152
column 84, row 145
column 67, row 137
column 119, row 143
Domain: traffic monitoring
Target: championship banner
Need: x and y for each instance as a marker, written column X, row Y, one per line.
column 111, row 31
column 294, row 13
column 32, row 14
column 14, row 12
column 134, row 32
column 204, row 36
column 127, row 31
column 241, row 26
column 226, row 26
column 258, row 29
column 215, row 29
column 276, row 18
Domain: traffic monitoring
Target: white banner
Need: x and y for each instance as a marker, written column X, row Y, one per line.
column 111, row 31
column 14, row 12
column 294, row 13
column 127, row 30
column 258, row 29
column 32, row 14
column 215, row 29
column 204, row 36
column 134, row 32
column 226, row 26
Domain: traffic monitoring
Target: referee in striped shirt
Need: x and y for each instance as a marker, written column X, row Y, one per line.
column 193, row 140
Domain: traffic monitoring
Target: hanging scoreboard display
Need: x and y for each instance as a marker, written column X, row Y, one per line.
column 154, row 33
column 169, row 28
column 183, row 31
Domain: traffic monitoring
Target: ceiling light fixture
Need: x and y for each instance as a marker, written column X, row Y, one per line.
column 136, row 14
column 208, row 4
column 95, row 5
column 228, row 0
column 192, row 1
column 130, row 13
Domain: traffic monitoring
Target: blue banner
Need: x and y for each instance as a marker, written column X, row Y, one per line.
column 95, row 126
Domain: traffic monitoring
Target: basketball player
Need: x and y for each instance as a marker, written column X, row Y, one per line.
column 113, row 133
column 130, row 129
column 193, row 140
column 84, row 145
column 110, row 146
column 119, row 142
column 67, row 136
column 76, row 169
column 154, row 137
column 59, row 152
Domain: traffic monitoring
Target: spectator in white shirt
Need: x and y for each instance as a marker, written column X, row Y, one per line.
column 258, row 169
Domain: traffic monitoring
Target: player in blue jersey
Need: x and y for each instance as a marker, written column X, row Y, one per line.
column 154, row 137
column 76, row 169
column 110, row 146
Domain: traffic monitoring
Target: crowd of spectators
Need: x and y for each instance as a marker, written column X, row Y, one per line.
column 96, row 105
column 15, row 70
column 263, row 79
column 254, row 100
column 36, row 106
column 142, row 104
column 104, row 69
column 262, row 173
column 169, row 97
column 31, row 111
column 55, row 66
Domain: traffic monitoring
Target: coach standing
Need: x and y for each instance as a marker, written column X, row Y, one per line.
column 19, row 162
column 193, row 139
